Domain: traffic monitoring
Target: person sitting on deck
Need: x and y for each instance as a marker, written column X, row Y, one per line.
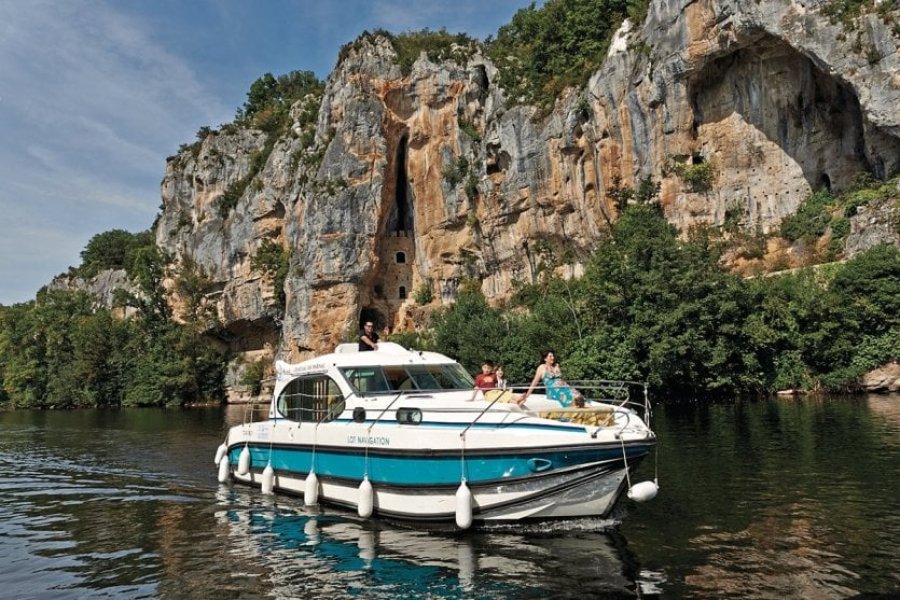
column 486, row 380
column 502, row 381
column 556, row 388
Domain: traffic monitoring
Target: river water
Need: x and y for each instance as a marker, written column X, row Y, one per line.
column 765, row 499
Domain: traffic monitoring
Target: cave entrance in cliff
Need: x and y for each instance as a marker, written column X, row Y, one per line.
column 401, row 222
column 809, row 124
column 396, row 247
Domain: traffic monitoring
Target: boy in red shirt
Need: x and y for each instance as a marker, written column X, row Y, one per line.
column 486, row 380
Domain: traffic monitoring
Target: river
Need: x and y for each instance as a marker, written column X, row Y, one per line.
column 765, row 499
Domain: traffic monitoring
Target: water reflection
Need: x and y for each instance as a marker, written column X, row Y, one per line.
column 778, row 498
column 381, row 560
column 887, row 407
column 781, row 498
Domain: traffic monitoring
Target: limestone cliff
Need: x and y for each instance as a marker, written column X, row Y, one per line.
column 412, row 182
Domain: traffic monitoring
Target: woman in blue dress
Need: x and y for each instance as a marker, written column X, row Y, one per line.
column 556, row 388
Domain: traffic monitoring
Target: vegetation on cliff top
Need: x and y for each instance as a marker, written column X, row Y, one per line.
column 544, row 50
column 268, row 108
column 538, row 54
column 114, row 249
column 439, row 46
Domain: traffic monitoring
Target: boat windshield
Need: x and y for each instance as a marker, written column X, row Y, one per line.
column 387, row 379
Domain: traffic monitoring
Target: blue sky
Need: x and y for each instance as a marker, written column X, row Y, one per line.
column 94, row 95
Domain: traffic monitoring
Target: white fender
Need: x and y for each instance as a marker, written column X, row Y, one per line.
column 311, row 492
column 244, row 461
column 220, row 452
column 268, row 479
column 463, row 506
column 366, row 494
column 643, row 491
column 224, row 470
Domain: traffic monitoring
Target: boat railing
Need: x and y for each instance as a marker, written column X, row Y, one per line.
column 619, row 393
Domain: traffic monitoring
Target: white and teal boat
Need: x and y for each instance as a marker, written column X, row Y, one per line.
column 403, row 434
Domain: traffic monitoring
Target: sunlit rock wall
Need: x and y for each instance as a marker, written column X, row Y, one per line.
column 774, row 98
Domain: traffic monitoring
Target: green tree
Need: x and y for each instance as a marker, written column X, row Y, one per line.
column 114, row 249
column 270, row 98
column 469, row 329
column 562, row 43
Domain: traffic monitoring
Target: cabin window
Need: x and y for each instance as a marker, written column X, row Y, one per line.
column 402, row 378
column 401, row 258
column 402, row 293
column 409, row 416
column 311, row 399
column 367, row 380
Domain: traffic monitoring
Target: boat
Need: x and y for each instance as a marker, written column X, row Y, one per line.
column 402, row 434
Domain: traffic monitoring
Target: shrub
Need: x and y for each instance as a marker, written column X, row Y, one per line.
column 438, row 46
column 698, row 177
column 424, row 293
column 455, row 172
column 270, row 98
column 544, row 50
column 811, row 219
column 253, row 374
column 273, row 259
column 114, row 249
column 469, row 129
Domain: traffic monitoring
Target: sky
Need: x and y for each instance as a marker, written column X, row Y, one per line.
column 95, row 94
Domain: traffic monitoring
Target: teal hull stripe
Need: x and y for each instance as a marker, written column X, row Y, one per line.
column 418, row 470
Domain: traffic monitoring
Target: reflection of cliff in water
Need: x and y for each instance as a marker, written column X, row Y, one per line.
column 329, row 554
column 238, row 414
column 887, row 407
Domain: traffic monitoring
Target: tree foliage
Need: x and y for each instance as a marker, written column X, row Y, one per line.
column 270, row 98
column 438, row 45
column 562, row 43
column 62, row 350
column 114, row 249
column 275, row 260
column 657, row 306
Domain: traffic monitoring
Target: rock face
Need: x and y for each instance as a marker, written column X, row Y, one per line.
column 885, row 379
column 873, row 225
column 413, row 182
column 103, row 287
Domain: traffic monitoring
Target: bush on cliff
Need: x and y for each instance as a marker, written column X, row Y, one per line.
column 114, row 249
column 270, row 98
column 544, row 50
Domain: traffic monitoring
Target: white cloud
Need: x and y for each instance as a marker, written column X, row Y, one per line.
column 91, row 106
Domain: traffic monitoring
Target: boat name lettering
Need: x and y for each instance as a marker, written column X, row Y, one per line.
column 315, row 367
column 372, row 440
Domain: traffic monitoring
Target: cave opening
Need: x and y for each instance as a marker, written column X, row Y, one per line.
column 402, row 215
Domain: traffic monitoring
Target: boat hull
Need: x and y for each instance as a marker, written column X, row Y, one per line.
column 588, row 486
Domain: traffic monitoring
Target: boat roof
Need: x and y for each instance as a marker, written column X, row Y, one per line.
column 349, row 355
